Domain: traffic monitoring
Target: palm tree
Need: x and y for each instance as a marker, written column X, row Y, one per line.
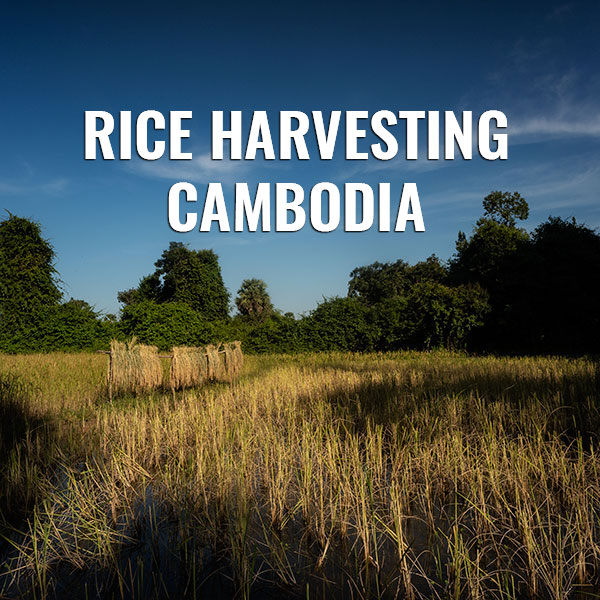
column 253, row 299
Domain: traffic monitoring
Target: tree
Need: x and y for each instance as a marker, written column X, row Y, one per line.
column 339, row 324
column 429, row 315
column 505, row 208
column 253, row 300
column 74, row 325
column 443, row 316
column 483, row 257
column 377, row 282
column 28, row 279
column 490, row 258
column 191, row 277
column 556, row 275
column 392, row 322
column 149, row 288
column 431, row 269
column 276, row 334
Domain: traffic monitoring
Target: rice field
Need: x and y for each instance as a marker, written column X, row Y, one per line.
column 404, row 475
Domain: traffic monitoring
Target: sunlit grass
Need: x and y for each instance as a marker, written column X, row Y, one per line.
column 332, row 475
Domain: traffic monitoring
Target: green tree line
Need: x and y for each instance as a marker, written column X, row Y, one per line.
column 503, row 290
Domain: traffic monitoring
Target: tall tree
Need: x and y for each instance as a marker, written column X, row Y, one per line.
column 191, row 277
column 484, row 256
column 505, row 208
column 253, row 300
column 489, row 257
column 556, row 277
column 28, row 278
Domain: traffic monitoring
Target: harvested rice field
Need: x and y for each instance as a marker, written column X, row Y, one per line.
column 404, row 475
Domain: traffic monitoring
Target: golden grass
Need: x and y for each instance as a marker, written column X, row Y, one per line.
column 335, row 475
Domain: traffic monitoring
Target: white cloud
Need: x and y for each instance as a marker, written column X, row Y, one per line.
column 544, row 94
column 572, row 123
column 565, row 190
column 548, row 188
column 53, row 187
column 201, row 169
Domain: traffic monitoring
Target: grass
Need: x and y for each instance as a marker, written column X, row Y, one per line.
column 401, row 475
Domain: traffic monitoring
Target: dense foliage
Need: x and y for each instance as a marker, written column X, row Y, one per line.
column 190, row 277
column 32, row 317
column 543, row 296
column 166, row 325
column 28, row 285
column 504, row 290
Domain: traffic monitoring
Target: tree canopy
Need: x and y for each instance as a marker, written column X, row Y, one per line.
column 505, row 208
column 28, row 280
column 555, row 293
column 32, row 318
column 504, row 290
column 380, row 281
column 190, row 277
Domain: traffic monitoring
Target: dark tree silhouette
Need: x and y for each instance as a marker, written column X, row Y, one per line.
column 505, row 208
column 556, row 295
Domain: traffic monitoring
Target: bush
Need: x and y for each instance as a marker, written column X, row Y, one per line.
column 277, row 334
column 392, row 323
column 339, row 324
column 71, row 326
column 166, row 325
column 443, row 316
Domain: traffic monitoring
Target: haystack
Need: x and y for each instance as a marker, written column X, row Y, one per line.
column 134, row 367
column 189, row 367
column 216, row 363
column 234, row 359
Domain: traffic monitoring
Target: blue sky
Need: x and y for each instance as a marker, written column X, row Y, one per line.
column 536, row 61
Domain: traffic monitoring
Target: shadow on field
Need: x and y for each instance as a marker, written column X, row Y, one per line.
column 167, row 552
column 20, row 433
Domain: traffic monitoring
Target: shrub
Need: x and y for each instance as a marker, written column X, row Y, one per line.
column 166, row 325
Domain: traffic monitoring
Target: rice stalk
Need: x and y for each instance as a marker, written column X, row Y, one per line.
column 216, row 363
column 234, row 359
column 189, row 367
column 134, row 367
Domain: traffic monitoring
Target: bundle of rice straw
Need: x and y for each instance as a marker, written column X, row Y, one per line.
column 216, row 363
column 134, row 367
column 189, row 367
column 234, row 359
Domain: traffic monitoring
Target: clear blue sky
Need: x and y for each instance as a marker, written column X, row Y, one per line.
column 536, row 61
